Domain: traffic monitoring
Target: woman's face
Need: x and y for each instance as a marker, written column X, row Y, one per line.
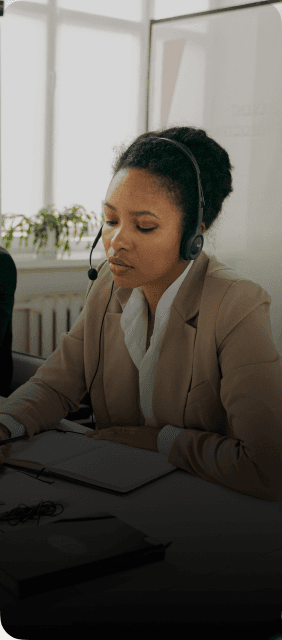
column 153, row 255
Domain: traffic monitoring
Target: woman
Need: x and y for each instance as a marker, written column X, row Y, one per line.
column 177, row 355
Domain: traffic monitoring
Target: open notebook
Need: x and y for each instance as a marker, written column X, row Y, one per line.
column 112, row 467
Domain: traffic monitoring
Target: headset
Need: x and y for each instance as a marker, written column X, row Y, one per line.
column 190, row 247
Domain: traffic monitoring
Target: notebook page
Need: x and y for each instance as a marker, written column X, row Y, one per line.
column 113, row 465
column 116, row 466
column 52, row 447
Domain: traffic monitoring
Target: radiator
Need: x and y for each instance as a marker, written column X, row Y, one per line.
column 37, row 325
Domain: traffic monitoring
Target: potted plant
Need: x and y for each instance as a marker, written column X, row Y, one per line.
column 58, row 225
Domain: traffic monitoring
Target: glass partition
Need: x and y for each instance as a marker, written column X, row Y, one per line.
column 222, row 72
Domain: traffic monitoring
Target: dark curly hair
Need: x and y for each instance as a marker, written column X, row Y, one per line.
column 177, row 174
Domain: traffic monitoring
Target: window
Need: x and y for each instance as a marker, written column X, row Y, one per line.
column 70, row 92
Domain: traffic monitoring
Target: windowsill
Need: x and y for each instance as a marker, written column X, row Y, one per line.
column 78, row 260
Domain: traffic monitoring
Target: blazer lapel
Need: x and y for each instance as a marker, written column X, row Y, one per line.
column 121, row 377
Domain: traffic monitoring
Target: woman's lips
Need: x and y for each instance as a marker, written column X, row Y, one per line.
column 119, row 261
column 118, row 268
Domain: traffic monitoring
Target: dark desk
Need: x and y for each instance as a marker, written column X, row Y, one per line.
column 225, row 562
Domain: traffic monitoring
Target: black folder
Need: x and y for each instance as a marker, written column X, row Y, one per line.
column 59, row 554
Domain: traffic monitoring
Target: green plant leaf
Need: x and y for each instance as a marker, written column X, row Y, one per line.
column 46, row 220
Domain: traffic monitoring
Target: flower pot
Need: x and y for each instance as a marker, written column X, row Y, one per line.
column 49, row 252
column 21, row 249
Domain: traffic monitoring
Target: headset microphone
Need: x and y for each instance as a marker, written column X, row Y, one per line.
column 92, row 273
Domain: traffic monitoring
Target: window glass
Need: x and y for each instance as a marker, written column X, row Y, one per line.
column 9, row 2
column 125, row 9
column 23, row 103
column 96, row 107
column 167, row 9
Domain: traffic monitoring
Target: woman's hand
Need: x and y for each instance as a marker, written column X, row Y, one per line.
column 138, row 437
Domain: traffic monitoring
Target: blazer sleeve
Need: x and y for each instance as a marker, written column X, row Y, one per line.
column 54, row 390
column 250, row 460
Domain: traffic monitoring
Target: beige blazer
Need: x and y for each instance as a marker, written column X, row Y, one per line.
column 218, row 377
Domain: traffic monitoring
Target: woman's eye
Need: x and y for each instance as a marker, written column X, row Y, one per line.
column 140, row 228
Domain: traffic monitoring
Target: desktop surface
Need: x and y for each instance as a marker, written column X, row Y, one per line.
column 225, row 556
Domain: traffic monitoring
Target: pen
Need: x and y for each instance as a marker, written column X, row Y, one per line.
column 85, row 519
